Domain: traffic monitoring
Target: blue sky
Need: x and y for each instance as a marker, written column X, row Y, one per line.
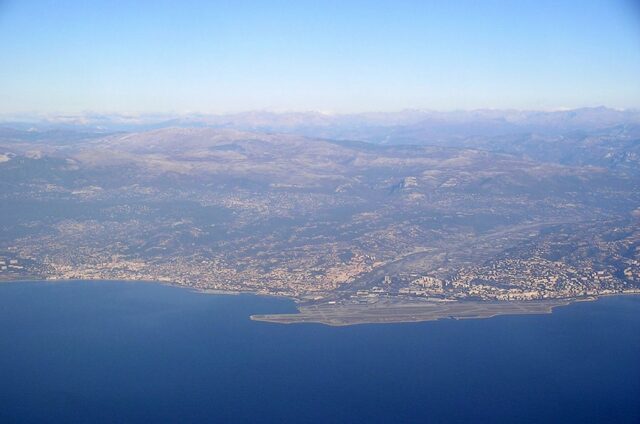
column 339, row 56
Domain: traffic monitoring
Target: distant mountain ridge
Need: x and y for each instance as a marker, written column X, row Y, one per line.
column 299, row 122
column 599, row 136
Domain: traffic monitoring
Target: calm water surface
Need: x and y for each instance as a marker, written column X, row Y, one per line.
column 140, row 352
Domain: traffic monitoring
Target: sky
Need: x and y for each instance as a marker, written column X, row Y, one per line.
column 333, row 56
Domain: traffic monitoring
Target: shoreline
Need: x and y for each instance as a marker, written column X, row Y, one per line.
column 394, row 311
column 164, row 283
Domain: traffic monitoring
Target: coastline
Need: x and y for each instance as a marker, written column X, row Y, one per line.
column 390, row 312
column 164, row 283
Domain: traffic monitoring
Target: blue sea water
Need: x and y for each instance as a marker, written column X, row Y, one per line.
column 141, row 352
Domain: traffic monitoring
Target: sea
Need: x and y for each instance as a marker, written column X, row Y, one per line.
column 123, row 352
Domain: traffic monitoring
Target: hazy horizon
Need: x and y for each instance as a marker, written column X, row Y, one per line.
column 143, row 114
